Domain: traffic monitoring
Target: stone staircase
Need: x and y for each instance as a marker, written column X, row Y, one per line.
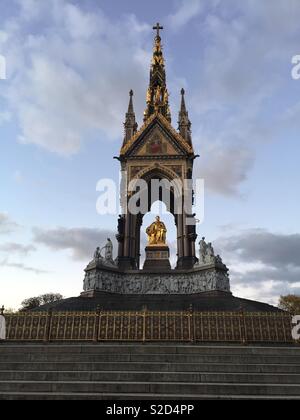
column 148, row 371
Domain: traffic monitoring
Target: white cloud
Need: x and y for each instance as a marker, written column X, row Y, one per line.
column 70, row 70
column 5, row 117
column 82, row 242
column 185, row 11
column 82, row 26
column 243, row 54
column 31, row 9
column 271, row 249
column 263, row 265
column 21, row 266
column 6, row 224
column 224, row 169
column 15, row 248
column 70, row 79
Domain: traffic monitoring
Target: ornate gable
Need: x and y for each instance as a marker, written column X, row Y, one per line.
column 156, row 138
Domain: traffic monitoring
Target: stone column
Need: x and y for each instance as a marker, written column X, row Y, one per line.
column 179, row 236
column 138, row 240
column 127, row 261
column 181, row 240
column 186, row 237
column 134, row 239
column 127, row 235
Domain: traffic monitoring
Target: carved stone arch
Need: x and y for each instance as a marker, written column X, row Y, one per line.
column 130, row 251
column 161, row 172
column 167, row 172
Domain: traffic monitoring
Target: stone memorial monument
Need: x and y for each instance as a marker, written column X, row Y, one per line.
column 156, row 151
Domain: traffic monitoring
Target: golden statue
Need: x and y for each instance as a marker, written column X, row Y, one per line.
column 158, row 95
column 157, row 233
column 148, row 100
column 166, row 97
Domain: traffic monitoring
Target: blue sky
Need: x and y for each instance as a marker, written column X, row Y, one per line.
column 70, row 66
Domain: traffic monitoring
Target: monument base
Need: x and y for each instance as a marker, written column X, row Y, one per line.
column 210, row 277
column 214, row 301
column 205, row 288
column 157, row 258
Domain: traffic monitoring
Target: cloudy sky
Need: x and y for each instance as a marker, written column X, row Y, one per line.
column 70, row 66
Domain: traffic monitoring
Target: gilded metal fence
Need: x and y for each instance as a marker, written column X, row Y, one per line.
column 142, row 326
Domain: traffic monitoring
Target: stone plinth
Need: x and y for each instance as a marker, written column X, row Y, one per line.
column 157, row 258
column 211, row 277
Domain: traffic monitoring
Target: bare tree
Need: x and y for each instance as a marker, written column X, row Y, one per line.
column 290, row 303
column 36, row 302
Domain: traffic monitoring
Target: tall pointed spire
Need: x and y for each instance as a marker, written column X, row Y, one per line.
column 184, row 124
column 157, row 94
column 130, row 106
column 130, row 124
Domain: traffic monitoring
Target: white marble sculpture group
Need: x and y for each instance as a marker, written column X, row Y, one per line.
column 207, row 254
column 107, row 259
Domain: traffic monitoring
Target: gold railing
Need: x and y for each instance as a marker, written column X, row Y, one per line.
column 146, row 326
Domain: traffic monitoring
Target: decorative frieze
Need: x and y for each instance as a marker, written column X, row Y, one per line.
column 204, row 279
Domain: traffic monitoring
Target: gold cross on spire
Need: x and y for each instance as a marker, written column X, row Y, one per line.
column 157, row 28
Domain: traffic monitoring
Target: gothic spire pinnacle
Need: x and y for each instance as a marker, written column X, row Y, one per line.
column 184, row 124
column 183, row 107
column 130, row 124
column 130, row 106
column 157, row 94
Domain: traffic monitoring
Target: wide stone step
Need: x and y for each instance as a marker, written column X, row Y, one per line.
column 124, row 376
column 21, row 396
column 163, row 358
column 150, row 349
column 151, row 388
column 153, row 367
column 148, row 371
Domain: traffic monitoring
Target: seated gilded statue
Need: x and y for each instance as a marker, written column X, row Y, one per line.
column 157, row 233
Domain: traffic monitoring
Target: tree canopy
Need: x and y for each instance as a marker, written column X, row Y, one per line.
column 35, row 302
column 290, row 303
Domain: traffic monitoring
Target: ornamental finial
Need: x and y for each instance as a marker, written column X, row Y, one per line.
column 158, row 28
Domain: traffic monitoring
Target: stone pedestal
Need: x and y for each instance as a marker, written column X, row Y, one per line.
column 208, row 278
column 157, row 258
column 186, row 263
